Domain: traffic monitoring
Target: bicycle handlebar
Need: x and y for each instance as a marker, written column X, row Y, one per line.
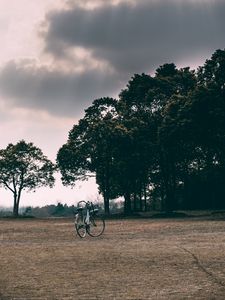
column 87, row 204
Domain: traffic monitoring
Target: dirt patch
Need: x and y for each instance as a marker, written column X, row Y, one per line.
column 134, row 259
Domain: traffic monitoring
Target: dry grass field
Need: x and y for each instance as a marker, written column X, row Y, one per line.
column 133, row 259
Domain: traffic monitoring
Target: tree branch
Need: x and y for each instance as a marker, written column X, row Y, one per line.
column 14, row 185
column 20, row 187
column 8, row 187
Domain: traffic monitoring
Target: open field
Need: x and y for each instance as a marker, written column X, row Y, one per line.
column 134, row 259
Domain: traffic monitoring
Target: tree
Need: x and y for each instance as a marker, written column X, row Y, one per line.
column 192, row 135
column 137, row 147
column 175, row 86
column 145, row 101
column 24, row 167
column 88, row 151
column 164, row 136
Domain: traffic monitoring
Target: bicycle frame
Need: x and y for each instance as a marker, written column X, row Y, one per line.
column 87, row 217
column 86, row 220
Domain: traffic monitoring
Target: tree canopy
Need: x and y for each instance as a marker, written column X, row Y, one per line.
column 24, row 167
column 161, row 144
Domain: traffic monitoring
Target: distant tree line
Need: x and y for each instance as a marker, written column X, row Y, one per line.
column 47, row 211
column 161, row 144
column 58, row 210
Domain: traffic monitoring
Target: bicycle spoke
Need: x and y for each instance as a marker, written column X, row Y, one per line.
column 96, row 226
column 80, row 225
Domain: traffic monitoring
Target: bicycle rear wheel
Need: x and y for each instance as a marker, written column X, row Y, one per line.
column 80, row 226
column 96, row 226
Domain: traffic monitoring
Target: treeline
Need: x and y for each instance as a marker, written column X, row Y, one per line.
column 59, row 210
column 161, row 144
column 47, row 211
column 64, row 210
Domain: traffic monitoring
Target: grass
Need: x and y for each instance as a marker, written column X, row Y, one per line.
column 134, row 259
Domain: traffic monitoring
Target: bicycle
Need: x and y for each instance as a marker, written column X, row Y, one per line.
column 87, row 220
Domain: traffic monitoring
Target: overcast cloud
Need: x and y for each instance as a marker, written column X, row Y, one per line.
column 114, row 42
column 60, row 93
column 134, row 38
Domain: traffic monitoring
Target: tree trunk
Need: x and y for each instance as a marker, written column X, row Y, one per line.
column 16, row 204
column 106, row 204
column 15, row 207
column 107, row 188
column 140, row 199
column 145, row 198
column 169, row 181
column 127, row 204
column 135, row 202
column 106, row 200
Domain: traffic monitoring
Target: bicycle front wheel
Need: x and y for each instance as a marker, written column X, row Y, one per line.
column 96, row 226
column 80, row 226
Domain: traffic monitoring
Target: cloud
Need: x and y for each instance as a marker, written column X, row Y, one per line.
column 92, row 4
column 138, row 37
column 61, row 93
column 95, row 46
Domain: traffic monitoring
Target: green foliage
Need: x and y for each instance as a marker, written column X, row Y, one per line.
column 88, row 149
column 162, row 141
column 24, row 167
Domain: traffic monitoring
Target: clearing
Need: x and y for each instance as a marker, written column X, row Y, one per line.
column 134, row 259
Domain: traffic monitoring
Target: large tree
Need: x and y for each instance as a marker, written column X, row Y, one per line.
column 146, row 100
column 23, row 166
column 88, row 151
column 192, row 134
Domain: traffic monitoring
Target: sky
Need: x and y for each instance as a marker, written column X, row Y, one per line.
column 57, row 56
